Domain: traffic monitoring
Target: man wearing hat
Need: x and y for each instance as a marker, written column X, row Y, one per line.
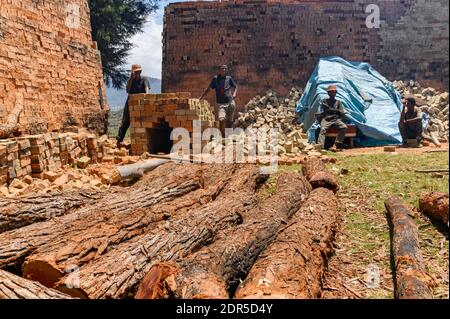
column 226, row 90
column 136, row 84
column 331, row 117
column 410, row 124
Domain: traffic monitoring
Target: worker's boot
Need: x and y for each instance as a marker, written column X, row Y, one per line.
column 333, row 148
column 119, row 144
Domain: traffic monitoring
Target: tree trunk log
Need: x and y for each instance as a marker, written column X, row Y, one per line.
column 293, row 265
column 92, row 238
column 17, row 244
column 15, row 287
column 140, row 168
column 435, row 205
column 215, row 271
column 318, row 175
column 411, row 280
column 19, row 212
column 12, row 121
column 118, row 273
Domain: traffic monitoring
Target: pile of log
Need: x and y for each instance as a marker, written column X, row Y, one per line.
column 184, row 230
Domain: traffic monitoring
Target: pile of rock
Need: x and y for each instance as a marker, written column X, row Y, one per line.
column 270, row 111
column 432, row 102
column 95, row 177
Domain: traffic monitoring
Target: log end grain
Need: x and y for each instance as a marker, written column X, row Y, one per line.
column 435, row 205
column 324, row 179
column 42, row 271
column 156, row 283
column 70, row 289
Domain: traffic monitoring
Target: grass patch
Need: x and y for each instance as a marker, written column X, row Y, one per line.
column 388, row 175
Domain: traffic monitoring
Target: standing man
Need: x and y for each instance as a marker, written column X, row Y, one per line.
column 332, row 117
column 410, row 124
column 226, row 90
column 136, row 84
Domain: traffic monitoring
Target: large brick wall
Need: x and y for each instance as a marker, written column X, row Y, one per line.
column 275, row 44
column 48, row 58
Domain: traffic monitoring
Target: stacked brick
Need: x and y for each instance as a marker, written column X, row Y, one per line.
column 37, row 154
column 275, row 44
column 3, row 165
column 175, row 110
column 47, row 56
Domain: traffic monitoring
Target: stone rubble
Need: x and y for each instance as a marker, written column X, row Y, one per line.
column 273, row 112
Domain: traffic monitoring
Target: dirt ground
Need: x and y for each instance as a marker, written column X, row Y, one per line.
column 399, row 150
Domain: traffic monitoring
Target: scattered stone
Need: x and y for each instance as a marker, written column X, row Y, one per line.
column 51, row 176
column 390, row 148
column 4, row 191
column 28, row 179
column 83, row 162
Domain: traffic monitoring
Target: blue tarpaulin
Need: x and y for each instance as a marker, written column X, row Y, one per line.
column 370, row 101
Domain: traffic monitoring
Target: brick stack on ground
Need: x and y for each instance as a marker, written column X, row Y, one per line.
column 37, row 155
column 177, row 110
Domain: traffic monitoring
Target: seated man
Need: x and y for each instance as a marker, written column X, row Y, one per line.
column 410, row 124
column 331, row 117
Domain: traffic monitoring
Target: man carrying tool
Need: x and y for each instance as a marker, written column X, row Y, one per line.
column 410, row 124
column 136, row 84
column 331, row 117
column 226, row 90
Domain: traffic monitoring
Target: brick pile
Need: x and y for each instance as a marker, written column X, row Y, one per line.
column 37, row 155
column 3, row 165
column 275, row 44
column 152, row 111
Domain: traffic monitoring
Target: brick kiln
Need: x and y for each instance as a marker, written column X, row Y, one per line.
column 276, row 43
column 153, row 116
column 49, row 61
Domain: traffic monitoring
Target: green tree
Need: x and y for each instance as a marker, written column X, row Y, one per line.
column 113, row 23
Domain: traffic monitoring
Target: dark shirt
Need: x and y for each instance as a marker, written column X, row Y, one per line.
column 223, row 86
column 412, row 114
column 332, row 110
column 138, row 86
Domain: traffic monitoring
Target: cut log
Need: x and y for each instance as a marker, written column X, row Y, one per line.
column 293, row 266
column 17, row 244
column 22, row 211
column 318, row 175
column 216, row 270
column 118, row 273
column 91, row 238
column 410, row 279
column 435, row 205
column 15, row 287
column 140, row 168
column 12, row 121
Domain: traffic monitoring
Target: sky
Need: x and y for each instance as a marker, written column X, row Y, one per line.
column 147, row 49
